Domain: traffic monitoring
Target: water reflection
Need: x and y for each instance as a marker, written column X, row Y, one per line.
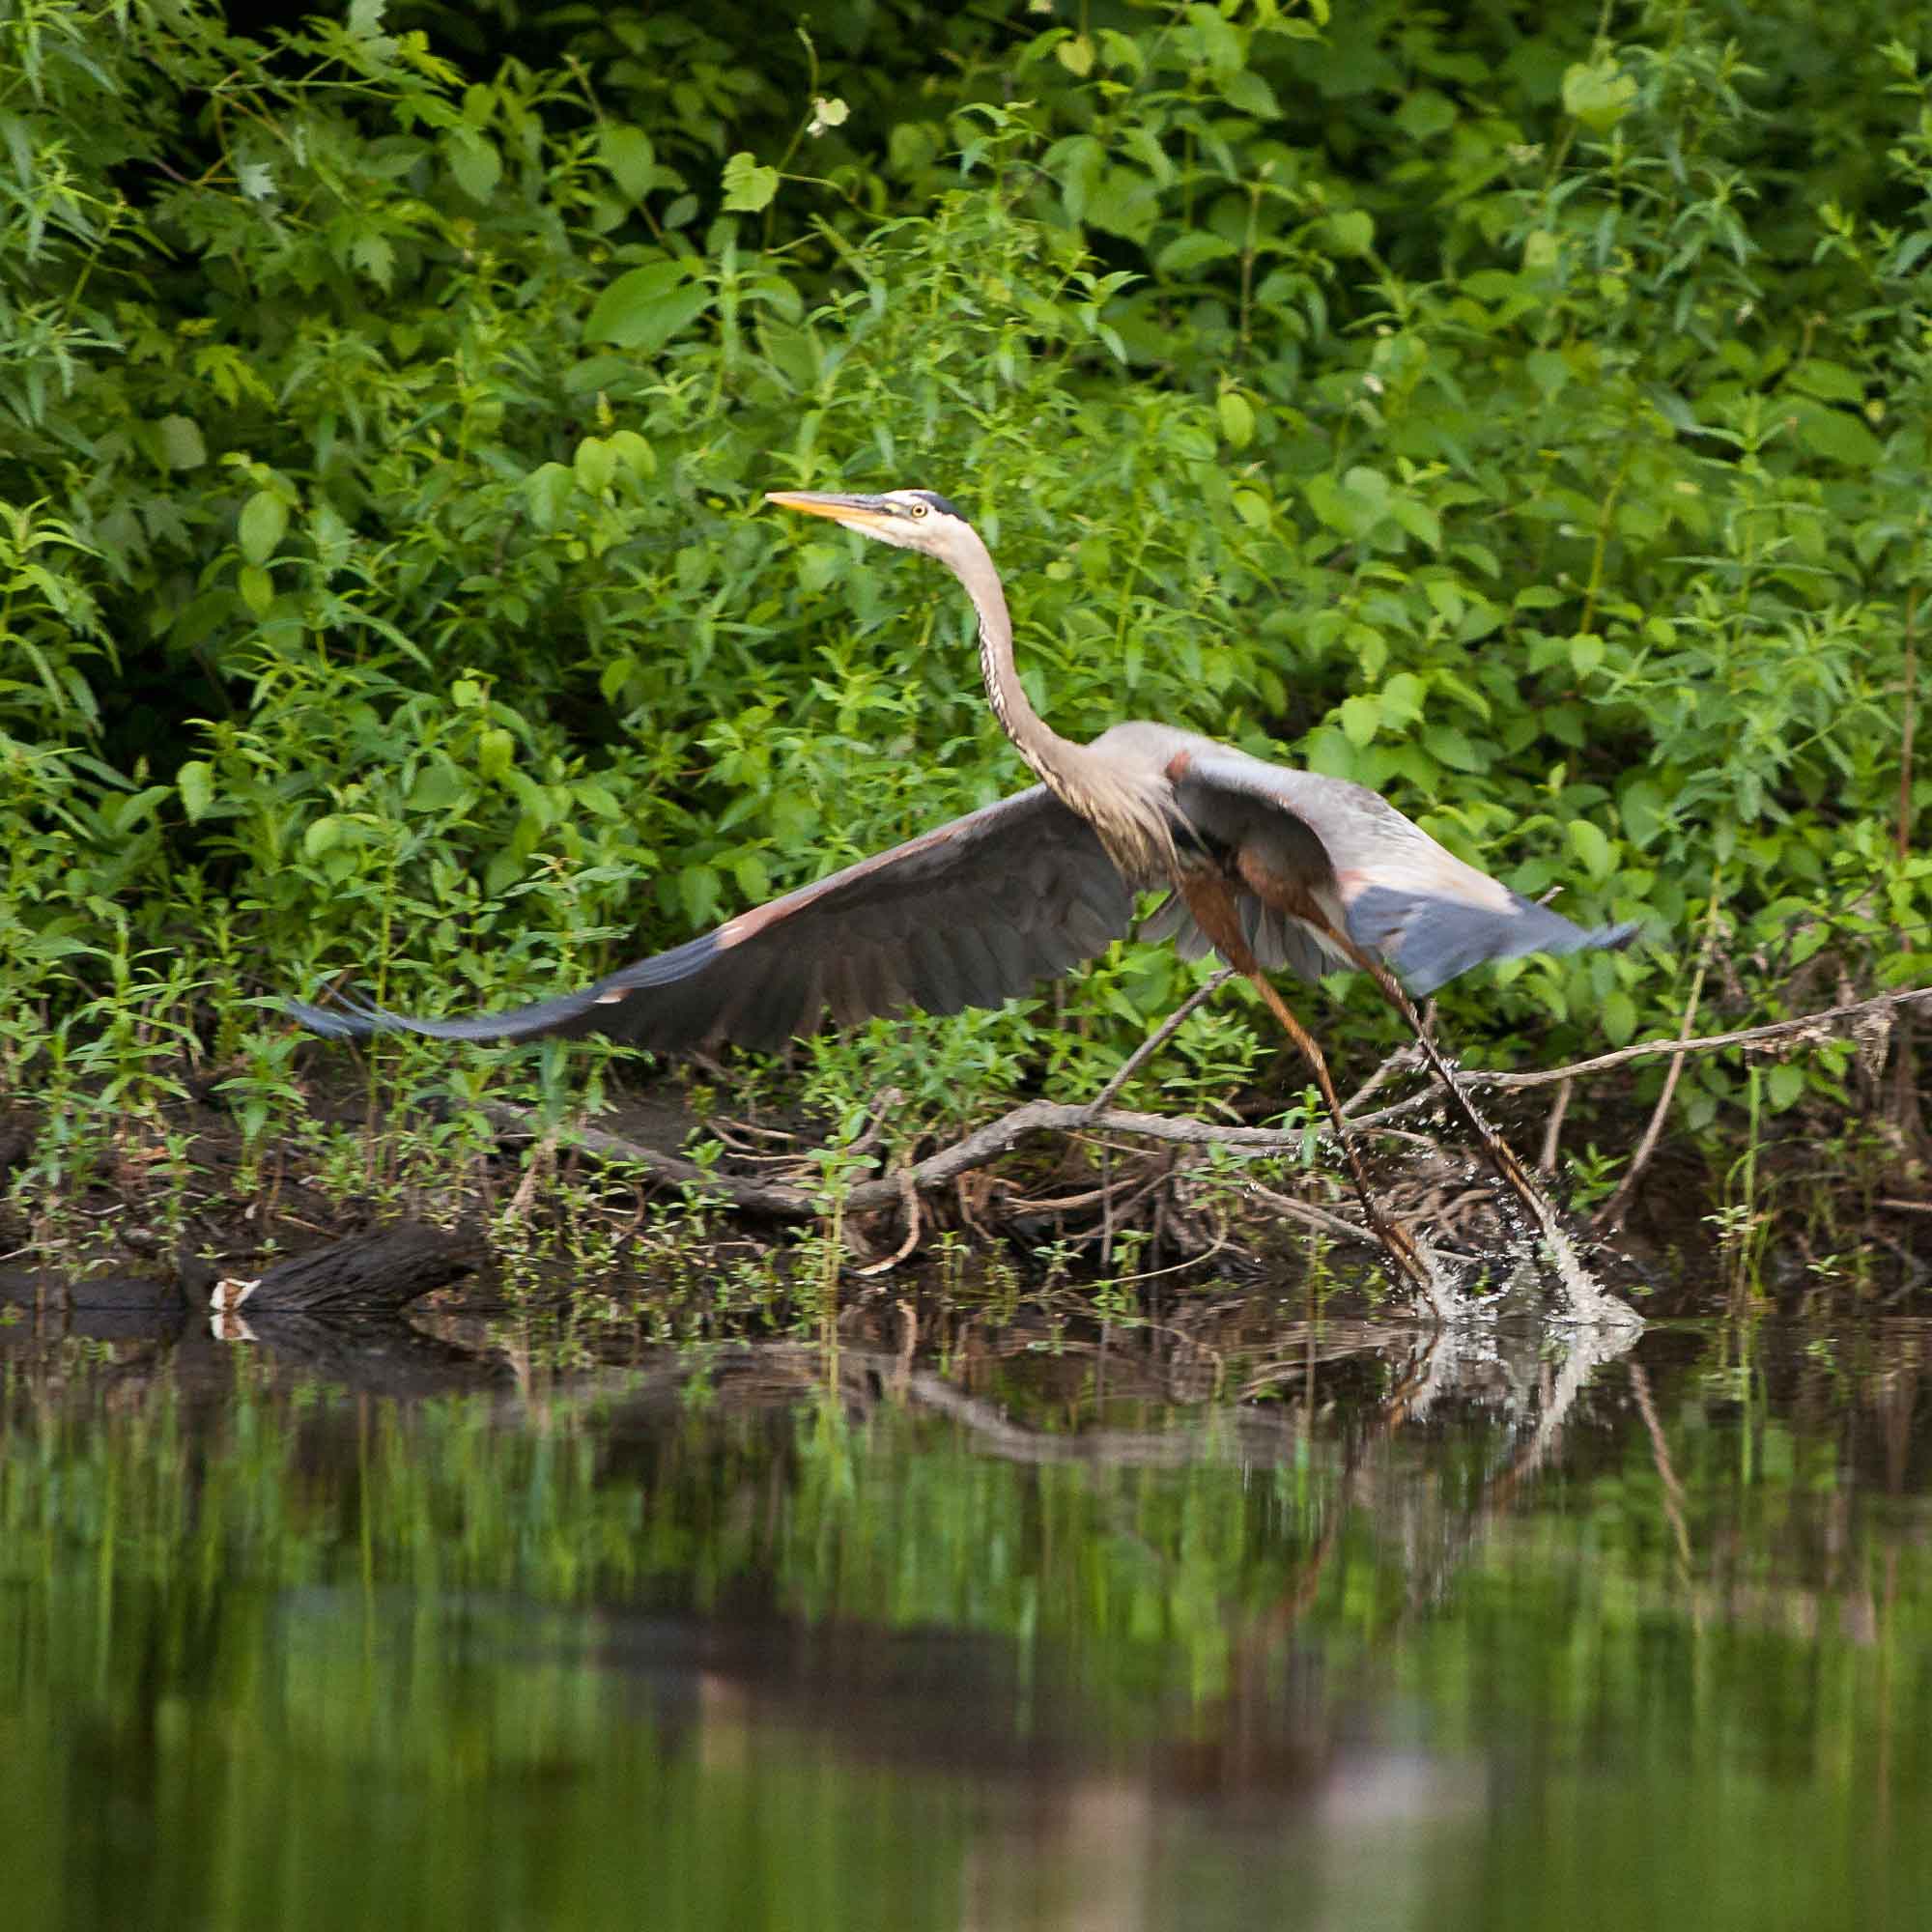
column 1368, row 1632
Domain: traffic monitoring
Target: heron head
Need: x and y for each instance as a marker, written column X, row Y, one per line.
column 910, row 519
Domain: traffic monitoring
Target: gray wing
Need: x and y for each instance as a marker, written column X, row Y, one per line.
column 969, row 914
column 1374, row 875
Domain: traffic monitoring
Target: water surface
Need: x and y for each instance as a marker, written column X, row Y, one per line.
column 1337, row 1630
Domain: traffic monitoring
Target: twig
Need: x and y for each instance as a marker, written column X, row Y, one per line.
column 1553, row 1130
column 1161, row 1037
column 1319, row 1218
column 976, row 1150
column 880, row 1104
column 1399, row 1061
column 1811, row 1027
column 1609, row 1217
column 1911, row 714
column 909, row 1195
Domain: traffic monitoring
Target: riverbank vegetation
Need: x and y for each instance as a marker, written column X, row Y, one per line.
column 1529, row 424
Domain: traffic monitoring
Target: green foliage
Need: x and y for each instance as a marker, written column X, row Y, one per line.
column 1528, row 424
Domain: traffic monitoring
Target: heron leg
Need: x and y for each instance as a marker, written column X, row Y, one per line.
column 1213, row 911
column 1501, row 1156
column 1291, row 897
column 1587, row 1299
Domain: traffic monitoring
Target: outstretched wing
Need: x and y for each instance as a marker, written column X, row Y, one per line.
column 968, row 914
column 1367, row 870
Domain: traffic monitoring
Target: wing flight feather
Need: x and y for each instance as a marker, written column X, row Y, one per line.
column 972, row 913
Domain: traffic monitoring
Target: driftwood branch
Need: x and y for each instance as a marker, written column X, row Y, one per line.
column 984, row 1145
column 382, row 1269
column 1808, row 1030
column 977, row 1150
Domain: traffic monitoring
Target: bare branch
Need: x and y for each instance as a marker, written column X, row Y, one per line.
column 1609, row 1217
column 983, row 1145
column 1809, row 1029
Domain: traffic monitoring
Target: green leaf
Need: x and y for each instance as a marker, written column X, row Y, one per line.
column 1220, row 46
column 1123, row 201
column 699, row 889
column 1425, row 114
column 1828, row 382
column 1645, row 811
column 595, row 464
column 1193, row 250
column 257, row 589
column 546, row 489
column 1785, row 1084
column 1247, row 93
column 1616, row 1016
column 181, row 447
column 440, row 787
column 1402, row 698
column 1593, row 848
column 753, row 881
column 1355, row 505
column 749, row 188
column 475, row 164
column 195, row 782
column 1839, row 436
column 370, row 251
column 628, row 154
column 1547, row 369
column 1361, row 719
column 1597, row 94
column 322, row 836
column 1586, row 653
column 632, row 452
column 1448, row 746
column 1418, row 520
column 1238, row 418
column 264, row 519
column 496, row 755
column 1370, row 485
column 1352, row 230
column 645, row 307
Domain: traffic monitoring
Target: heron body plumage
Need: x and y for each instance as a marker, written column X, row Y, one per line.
column 1276, row 868
column 1318, row 871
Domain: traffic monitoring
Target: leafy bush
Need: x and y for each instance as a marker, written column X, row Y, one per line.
column 1526, row 423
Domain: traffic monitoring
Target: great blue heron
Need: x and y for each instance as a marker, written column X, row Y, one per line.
column 1271, row 867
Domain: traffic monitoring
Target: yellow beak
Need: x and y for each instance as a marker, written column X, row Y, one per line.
column 856, row 510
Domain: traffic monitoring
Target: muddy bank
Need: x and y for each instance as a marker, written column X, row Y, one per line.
column 745, row 1237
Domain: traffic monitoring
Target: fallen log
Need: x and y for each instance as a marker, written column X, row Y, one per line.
column 380, row 1271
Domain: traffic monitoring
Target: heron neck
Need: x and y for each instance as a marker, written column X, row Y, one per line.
column 1124, row 809
column 1036, row 741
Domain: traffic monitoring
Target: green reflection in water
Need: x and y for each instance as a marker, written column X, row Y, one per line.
column 845, row 1659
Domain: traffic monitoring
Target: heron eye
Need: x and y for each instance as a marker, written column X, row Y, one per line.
column 919, row 509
